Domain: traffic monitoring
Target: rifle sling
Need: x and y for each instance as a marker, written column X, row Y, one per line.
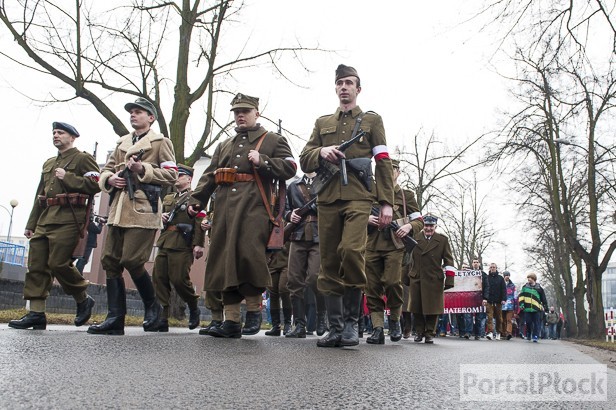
column 81, row 230
column 282, row 186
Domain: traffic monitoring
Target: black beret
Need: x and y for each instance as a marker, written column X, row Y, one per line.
column 345, row 71
column 57, row 125
column 144, row 105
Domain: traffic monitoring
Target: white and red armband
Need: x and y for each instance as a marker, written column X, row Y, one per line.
column 450, row 271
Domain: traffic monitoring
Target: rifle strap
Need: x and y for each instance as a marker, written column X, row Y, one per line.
column 261, row 188
column 403, row 202
column 358, row 121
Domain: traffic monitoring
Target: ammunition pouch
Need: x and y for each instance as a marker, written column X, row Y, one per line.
column 75, row 200
column 224, row 176
column 152, row 193
column 186, row 230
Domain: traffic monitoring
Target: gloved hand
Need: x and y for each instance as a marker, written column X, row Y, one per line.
column 449, row 280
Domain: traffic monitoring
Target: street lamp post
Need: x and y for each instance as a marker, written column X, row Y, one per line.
column 13, row 203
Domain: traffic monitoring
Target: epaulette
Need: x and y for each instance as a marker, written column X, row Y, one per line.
column 326, row 115
column 371, row 112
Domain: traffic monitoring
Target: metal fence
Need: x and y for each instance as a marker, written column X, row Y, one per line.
column 12, row 254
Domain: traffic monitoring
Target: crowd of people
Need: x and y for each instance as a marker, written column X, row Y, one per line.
column 342, row 250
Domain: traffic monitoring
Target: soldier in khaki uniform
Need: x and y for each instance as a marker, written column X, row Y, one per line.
column 66, row 181
column 344, row 210
column 427, row 279
column 181, row 241
column 133, row 222
column 384, row 262
column 237, row 264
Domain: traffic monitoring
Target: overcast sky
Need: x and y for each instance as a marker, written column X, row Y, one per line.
column 419, row 66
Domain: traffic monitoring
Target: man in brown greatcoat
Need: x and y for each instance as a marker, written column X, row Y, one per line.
column 133, row 222
column 384, row 253
column 428, row 280
column 344, row 209
column 237, row 264
column 53, row 229
column 180, row 243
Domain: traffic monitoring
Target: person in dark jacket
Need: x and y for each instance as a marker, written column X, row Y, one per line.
column 95, row 227
column 497, row 296
column 480, row 318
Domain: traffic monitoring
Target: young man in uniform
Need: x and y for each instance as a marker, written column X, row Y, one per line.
column 181, row 241
column 344, row 209
column 384, row 254
column 242, row 173
column 133, row 222
column 53, row 229
column 431, row 256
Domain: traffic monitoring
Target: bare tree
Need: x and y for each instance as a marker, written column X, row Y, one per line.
column 151, row 49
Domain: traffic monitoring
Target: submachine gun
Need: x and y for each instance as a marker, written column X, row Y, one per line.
column 408, row 241
column 361, row 167
column 130, row 184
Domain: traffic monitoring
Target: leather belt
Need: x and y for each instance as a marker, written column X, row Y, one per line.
column 244, row 177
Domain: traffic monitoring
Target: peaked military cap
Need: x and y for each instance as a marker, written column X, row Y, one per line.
column 144, row 105
column 57, row 125
column 185, row 170
column 430, row 220
column 345, row 71
column 244, row 101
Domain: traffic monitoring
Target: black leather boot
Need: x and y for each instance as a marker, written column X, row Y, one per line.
column 352, row 304
column 116, row 302
column 252, row 324
column 163, row 326
column 194, row 318
column 275, row 330
column 84, row 311
column 395, row 332
column 152, row 308
column 321, row 324
column 206, row 330
column 228, row 330
column 377, row 337
column 334, row 307
column 34, row 320
column 286, row 314
column 300, row 319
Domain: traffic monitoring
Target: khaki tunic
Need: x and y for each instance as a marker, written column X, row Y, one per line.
column 344, row 210
column 427, row 276
column 241, row 227
column 55, row 231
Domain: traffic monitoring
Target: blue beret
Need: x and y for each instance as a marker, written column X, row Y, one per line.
column 66, row 127
column 430, row 220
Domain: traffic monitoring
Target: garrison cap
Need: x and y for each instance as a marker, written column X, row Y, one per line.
column 345, row 71
column 244, row 101
column 57, row 125
column 185, row 170
column 430, row 220
column 144, row 105
column 395, row 163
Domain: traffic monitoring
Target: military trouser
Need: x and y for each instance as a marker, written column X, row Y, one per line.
column 213, row 301
column 49, row 257
column 383, row 273
column 173, row 268
column 342, row 244
column 304, row 262
column 127, row 248
column 279, row 291
column 425, row 325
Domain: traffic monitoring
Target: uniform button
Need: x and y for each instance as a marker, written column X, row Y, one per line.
column 266, row 162
column 344, row 123
column 236, row 167
column 238, row 155
column 233, row 189
column 343, row 132
column 243, row 138
column 241, row 145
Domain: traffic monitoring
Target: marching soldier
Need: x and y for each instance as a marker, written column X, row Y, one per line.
column 242, row 173
column 57, row 216
column 278, row 265
column 432, row 272
column 134, row 214
column 181, row 241
column 344, row 209
column 384, row 253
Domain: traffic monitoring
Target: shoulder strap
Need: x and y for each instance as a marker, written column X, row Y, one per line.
column 403, row 203
column 260, row 185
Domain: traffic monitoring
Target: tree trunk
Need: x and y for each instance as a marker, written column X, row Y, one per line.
column 579, row 292
column 596, row 320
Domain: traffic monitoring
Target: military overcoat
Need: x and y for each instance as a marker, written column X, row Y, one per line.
column 427, row 278
column 240, row 230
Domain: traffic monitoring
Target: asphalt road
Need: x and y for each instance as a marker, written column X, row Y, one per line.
column 64, row 368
